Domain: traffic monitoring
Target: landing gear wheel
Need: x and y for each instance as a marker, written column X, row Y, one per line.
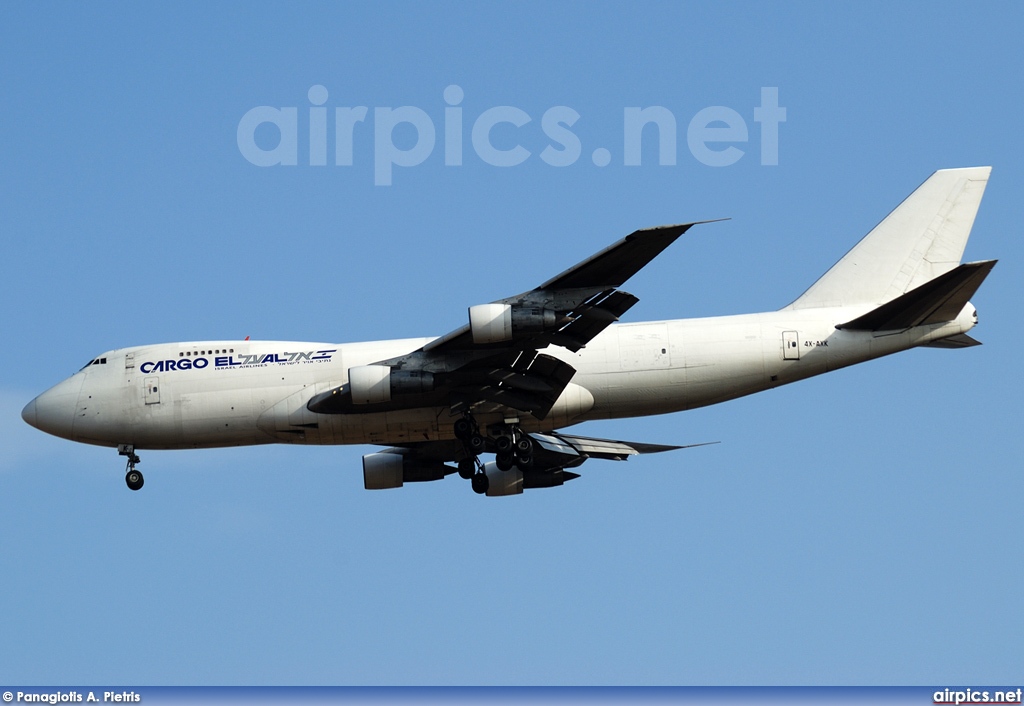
column 476, row 444
column 481, row 483
column 525, row 463
column 134, row 479
column 505, row 461
column 463, row 429
column 503, row 444
column 524, row 446
column 467, row 468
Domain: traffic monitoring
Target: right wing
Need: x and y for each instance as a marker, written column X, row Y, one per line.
column 494, row 361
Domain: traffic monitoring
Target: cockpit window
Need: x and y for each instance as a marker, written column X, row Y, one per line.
column 95, row 361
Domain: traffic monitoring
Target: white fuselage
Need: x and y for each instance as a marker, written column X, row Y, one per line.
column 234, row 393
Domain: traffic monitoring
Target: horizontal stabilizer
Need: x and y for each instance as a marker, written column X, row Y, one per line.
column 959, row 341
column 934, row 302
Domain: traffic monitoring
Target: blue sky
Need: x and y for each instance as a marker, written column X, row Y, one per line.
column 859, row 528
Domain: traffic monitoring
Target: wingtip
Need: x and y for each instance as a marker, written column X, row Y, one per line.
column 680, row 227
column 660, row 448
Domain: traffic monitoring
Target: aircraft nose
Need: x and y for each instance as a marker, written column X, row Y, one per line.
column 54, row 410
column 29, row 414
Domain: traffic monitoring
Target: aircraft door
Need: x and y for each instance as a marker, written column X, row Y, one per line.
column 152, row 390
column 790, row 345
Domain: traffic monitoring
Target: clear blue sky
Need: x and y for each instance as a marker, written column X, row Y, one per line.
column 862, row 527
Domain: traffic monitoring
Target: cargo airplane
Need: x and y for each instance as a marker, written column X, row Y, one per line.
column 522, row 369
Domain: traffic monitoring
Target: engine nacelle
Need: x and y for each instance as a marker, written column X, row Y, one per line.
column 500, row 482
column 390, row 469
column 496, row 323
column 370, row 384
column 514, row 481
column 382, row 470
column 373, row 384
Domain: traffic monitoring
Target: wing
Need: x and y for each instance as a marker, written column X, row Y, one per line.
column 553, row 453
column 494, row 361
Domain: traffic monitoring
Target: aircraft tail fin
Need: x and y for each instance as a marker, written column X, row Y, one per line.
column 923, row 238
column 934, row 302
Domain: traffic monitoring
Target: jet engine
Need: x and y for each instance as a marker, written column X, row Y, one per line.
column 515, row 481
column 496, row 323
column 500, row 482
column 372, row 384
column 392, row 468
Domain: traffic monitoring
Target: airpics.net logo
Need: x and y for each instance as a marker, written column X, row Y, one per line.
column 715, row 136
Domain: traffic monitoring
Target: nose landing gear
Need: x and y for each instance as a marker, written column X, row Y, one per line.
column 133, row 478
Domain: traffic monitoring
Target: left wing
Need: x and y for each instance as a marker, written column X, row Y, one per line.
column 494, row 361
column 553, row 455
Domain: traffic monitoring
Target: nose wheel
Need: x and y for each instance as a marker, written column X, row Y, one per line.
column 133, row 478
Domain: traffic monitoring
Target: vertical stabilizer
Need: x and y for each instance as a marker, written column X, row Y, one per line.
column 919, row 241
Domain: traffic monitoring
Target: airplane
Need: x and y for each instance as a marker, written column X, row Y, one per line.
column 521, row 369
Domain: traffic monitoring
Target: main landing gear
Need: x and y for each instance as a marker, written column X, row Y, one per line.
column 512, row 446
column 470, row 468
column 133, row 477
